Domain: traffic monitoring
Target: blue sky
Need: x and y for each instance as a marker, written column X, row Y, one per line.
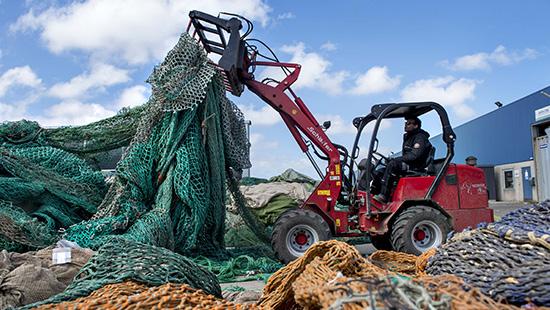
column 74, row 62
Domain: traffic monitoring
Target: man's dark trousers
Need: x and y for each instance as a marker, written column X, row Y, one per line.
column 395, row 166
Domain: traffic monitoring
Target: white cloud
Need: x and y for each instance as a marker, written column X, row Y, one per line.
column 337, row 124
column 73, row 113
column 484, row 61
column 314, row 71
column 328, row 46
column 448, row 91
column 287, row 15
column 15, row 78
column 101, row 75
column 260, row 142
column 375, row 80
column 11, row 112
column 266, row 116
column 133, row 96
column 19, row 76
column 138, row 31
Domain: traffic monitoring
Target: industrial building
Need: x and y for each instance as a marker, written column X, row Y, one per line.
column 511, row 145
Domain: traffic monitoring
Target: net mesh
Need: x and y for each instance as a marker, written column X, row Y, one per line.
column 507, row 260
column 334, row 275
column 169, row 186
column 120, row 259
column 132, row 295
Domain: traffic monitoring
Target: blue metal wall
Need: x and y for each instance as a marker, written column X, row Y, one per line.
column 498, row 137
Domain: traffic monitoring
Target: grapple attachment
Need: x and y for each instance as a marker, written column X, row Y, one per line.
column 221, row 36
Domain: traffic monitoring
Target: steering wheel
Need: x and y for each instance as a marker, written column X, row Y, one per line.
column 378, row 160
column 378, row 157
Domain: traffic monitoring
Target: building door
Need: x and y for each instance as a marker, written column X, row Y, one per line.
column 527, row 185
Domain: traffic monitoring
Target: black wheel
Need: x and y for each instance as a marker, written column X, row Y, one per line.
column 418, row 229
column 295, row 231
column 381, row 242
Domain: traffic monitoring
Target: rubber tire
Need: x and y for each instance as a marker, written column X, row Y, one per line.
column 404, row 223
column 287, row 221
column 381, row 242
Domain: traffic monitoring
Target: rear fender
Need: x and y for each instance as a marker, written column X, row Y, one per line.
column 325, row 216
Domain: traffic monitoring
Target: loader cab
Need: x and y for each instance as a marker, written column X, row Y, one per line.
column 370, row 168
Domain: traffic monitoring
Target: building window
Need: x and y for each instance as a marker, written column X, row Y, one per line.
column 509, row 179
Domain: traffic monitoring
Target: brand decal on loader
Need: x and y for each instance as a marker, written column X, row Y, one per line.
column 317, row 136
column 323, row 192
column 471, row 188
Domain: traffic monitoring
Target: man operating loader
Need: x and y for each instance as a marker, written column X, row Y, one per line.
column 415, row 152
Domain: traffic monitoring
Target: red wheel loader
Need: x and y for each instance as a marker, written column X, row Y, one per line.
column 424, row 206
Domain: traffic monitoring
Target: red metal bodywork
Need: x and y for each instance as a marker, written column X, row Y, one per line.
column 299, row 120
column 461, row 195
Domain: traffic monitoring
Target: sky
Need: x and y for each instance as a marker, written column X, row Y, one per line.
column 74, row 62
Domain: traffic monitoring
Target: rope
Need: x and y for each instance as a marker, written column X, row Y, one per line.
column 133, row 295
column 507, row 260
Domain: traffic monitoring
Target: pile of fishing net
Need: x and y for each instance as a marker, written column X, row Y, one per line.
column 49, row 177
column 169, row 186
column 267, row 199
column 181, row 152
column 334, row 275
column 133, row 295
column 120, row 260
column 508, row 259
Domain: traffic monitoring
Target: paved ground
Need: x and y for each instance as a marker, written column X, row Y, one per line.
column 248, row 285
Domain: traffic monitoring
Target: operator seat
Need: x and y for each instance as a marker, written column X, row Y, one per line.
column 362, row 179
column 428, row 167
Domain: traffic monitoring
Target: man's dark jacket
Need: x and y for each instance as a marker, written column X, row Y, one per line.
column 416, row 148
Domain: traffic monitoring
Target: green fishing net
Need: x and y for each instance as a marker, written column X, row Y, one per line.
column 120, row 260
column 169, row 188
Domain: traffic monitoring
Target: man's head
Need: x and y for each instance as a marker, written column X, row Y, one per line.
column 412, row 123
column 471, row 161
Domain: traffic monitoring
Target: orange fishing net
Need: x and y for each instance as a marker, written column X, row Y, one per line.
column 132, row 295
column 394, row 261
column 333, row 275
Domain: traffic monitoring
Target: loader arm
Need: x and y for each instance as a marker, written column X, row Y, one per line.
column 237, row 65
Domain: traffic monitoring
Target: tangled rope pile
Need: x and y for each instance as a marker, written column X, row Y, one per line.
column 395, row 261
column 529, row 224
column 508, row 260
column 334, row 275
column 133, row 295
column 233, row 268
column 120, row 259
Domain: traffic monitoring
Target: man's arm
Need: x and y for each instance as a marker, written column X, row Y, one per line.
column 415, row 151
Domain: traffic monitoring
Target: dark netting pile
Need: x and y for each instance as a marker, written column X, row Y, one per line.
column 168, row 194
column 49, row 177
column 169, row 187
column 507, row 260
column 120, row 259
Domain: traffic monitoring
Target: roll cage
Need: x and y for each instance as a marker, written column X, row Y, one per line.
column 402, row 110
